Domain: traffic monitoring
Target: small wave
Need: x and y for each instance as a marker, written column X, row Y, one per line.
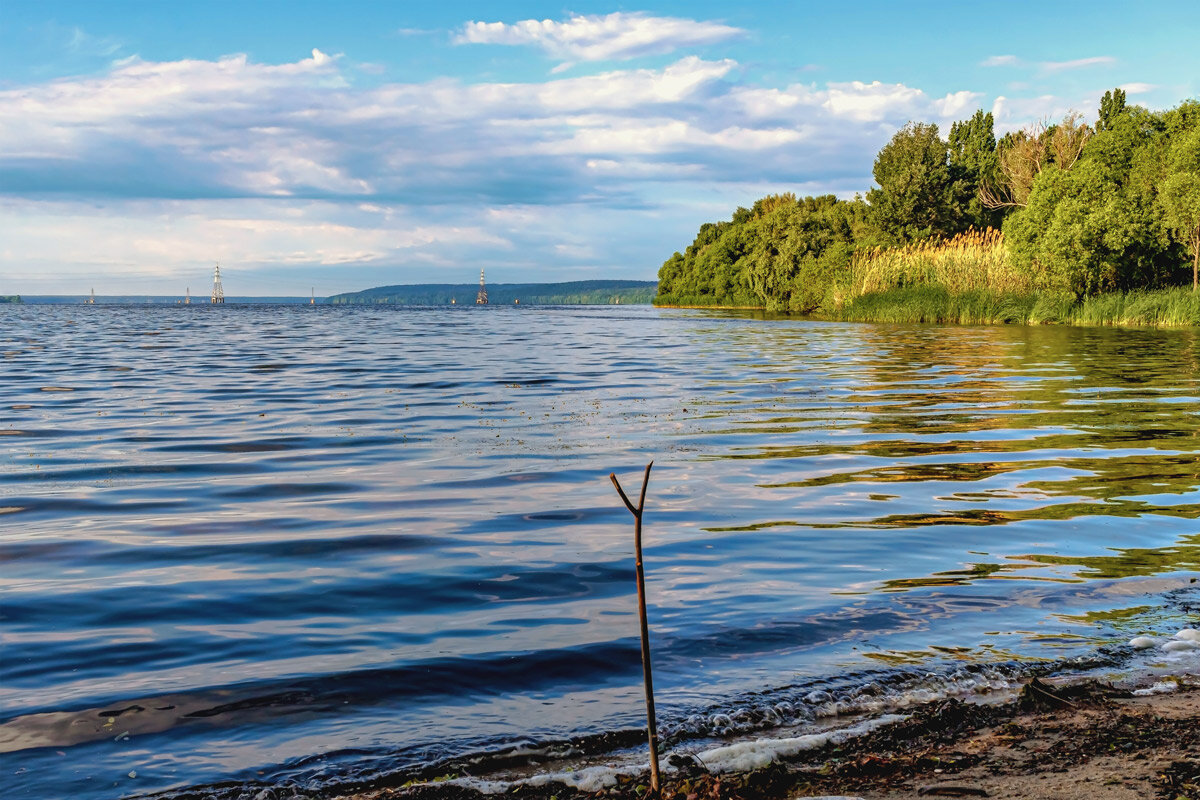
column 277, row 490
column 129, row 471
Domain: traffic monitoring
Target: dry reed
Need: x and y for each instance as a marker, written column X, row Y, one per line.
column 971, row 261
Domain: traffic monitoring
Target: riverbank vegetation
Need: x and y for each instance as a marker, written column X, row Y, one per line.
column 14, row 298
column 1073, row 223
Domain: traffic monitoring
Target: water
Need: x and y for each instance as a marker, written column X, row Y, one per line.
column 297, row 546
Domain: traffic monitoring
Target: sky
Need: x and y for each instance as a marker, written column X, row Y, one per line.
column 339, row 146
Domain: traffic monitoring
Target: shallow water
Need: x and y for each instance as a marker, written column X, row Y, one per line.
column 306, row 545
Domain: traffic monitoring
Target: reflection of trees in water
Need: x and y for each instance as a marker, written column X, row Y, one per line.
column 1103, row 479
column 931, row 380
column 1048, row 371
column 1130, row 562
column 1133, row 562
column 1071, row 423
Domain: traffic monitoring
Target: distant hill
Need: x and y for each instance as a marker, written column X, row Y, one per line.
column 599, row 292
column 152, row 299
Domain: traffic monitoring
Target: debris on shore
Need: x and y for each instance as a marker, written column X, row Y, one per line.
column 1072, row 741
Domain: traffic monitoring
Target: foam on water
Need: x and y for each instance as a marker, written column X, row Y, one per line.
column 1159, row 687
column 740, row 756
column 744, row 756
column 875, row 692
column 1183, row 648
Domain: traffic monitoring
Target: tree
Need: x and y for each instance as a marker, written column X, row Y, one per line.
column 913, row 173
column 1065, row 141
column 1180, row 195
column 782, row 254
column 1112, row 105
column 972, row 146
column 1090, row 223
column 1023, row 155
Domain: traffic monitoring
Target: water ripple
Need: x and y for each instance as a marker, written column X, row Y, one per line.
column 244, row 541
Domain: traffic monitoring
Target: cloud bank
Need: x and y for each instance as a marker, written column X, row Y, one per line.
column 233, row 128
column 614, row 37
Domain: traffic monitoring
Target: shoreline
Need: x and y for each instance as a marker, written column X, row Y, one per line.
column 1174, row 308
column 723, row 308
column 1062, row 738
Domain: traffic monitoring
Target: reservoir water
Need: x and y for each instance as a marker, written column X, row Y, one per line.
column 247, row 548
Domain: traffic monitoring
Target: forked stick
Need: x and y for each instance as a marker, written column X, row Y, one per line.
column 651, row 725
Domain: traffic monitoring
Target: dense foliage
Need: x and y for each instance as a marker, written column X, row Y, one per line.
column 15, row 298
column 596, row 292
column 779, row 254
column 1085, row 209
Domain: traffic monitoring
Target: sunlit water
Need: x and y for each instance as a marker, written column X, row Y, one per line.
column 299, row 546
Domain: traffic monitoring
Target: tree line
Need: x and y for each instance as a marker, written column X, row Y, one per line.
column 1084, row 208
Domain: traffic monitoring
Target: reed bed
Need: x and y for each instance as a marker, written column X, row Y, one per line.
column 1164, row 308
column 938, row 304
column 974, row 261
column 969, row 280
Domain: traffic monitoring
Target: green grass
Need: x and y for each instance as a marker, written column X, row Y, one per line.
column 1167, row 308
column 1176, row 307
column 937, row 304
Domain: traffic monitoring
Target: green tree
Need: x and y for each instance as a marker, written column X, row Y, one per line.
column 782, row 254
column 1112, row 105
column 794, row 252
column 913, row 198
column 972, row 146
column 1180, row 195
column 1096, row 226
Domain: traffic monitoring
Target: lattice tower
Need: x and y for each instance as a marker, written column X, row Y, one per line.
column 218, row 295
column 481, row 298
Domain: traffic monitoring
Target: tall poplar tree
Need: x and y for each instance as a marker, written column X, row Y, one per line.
column 1112, row 105
column 972, row 147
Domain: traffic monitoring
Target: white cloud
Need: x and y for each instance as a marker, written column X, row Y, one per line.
column 1000, row 61
column 957, row 104
column 868, row 102
column 1049, row 67
column 876, row 102
column 617, row 36
column 1078, row 63
column 1138, row 88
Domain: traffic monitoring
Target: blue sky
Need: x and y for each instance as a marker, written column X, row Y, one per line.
column 342, row 146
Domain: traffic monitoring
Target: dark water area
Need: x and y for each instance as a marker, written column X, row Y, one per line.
column 252, row 547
